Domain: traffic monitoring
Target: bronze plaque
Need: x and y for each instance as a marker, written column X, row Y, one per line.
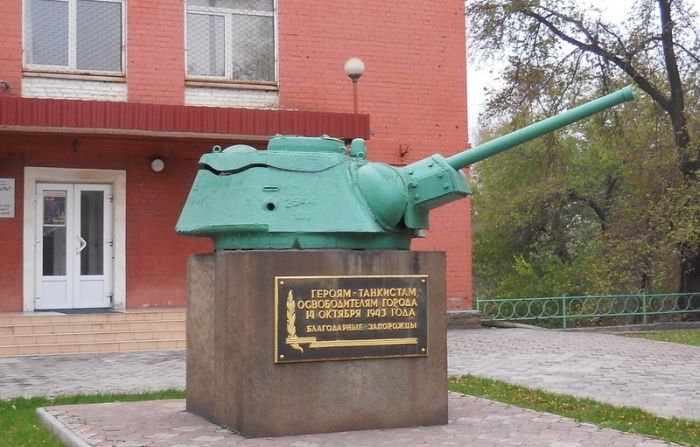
column 350, row 317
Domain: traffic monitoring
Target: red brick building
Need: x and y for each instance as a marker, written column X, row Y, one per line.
column 95, row 90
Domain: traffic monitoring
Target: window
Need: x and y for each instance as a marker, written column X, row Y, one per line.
column 74, row 35
column 231, row 39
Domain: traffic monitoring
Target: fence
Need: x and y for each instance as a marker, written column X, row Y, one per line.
column 571, row 308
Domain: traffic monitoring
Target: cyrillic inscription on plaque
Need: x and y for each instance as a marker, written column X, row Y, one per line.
column 350, row 317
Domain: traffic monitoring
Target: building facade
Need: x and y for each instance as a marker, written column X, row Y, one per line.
column 106, row 106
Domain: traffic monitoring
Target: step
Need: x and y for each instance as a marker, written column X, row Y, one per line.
column 23, row 318
column 71, row 327
column 55, row 333
column 91, row 337
column 70, row 348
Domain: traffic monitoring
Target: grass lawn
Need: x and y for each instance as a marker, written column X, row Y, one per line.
column 625, row 419
column 19, row 426
column 683, row 336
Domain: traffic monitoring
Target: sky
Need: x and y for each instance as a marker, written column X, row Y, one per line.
column 479, row 76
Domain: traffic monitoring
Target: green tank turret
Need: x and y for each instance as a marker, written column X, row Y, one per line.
column 312, row 193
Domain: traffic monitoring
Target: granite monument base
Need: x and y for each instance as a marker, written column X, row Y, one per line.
column 234, row 375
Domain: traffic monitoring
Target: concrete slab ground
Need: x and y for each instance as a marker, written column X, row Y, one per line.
column 653, row 375
column 473, row 422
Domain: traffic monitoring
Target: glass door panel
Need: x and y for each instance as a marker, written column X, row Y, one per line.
column 91, row 232
column 54, row 233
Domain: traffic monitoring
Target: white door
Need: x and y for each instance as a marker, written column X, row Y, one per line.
column 73, row 246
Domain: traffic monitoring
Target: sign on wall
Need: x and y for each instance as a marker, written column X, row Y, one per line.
column 7, row 197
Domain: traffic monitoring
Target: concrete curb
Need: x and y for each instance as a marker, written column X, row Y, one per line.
column 59, row 429
column 464, row 319
column 511, row 325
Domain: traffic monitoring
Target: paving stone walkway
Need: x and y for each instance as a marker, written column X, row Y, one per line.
column 474, row 422
column 656, row 376
column 127, row 372
column 653, row 375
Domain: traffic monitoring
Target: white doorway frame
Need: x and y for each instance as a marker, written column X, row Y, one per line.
column 116, row 178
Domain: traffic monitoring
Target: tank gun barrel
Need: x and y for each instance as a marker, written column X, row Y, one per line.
column 493, row 147
column 243, row 198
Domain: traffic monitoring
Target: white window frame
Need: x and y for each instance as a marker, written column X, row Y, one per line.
column 71, row 68
column 228, row 49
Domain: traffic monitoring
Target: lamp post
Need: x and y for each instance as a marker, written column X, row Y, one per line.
column 354, row 67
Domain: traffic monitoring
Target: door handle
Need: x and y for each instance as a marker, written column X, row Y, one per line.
column 82, row 243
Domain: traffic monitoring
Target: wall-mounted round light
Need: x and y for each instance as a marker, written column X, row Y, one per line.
column 157, row 164
column 354, row 67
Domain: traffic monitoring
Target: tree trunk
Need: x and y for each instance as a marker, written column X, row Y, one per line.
column 690, row 274
column 690, row 283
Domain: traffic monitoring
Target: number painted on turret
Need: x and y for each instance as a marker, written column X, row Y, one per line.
column 296, row 201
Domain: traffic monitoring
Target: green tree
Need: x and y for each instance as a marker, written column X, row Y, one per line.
column 610, row 204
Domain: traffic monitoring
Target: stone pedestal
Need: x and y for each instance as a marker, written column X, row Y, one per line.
column 232, row 377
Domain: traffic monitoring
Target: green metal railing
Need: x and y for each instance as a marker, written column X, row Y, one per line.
column 571, row 308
